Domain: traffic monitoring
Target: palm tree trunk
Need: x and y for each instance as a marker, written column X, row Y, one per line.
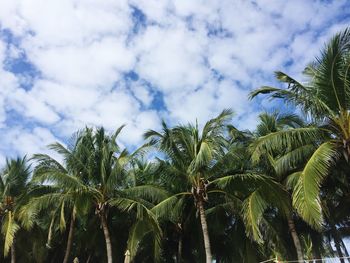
column 70, row 238
column 344, row 249
column 179, row 249
column 336, row 239
column 339, row 252
column 13, row 252
column 107, row 238
column 295, row 238
column 205, row 232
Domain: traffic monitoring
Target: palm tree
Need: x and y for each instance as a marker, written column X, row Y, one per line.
column 325, row 98
column 54, row 198
column 192, row 154
column 194, row 157
column 14, row 180
column 96, row 178
column 274, row 163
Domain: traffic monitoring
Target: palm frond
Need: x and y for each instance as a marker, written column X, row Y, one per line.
column 239, row 182
column 264, row 90
column 150, row 192
column 253, row 209
column 165, row 208
column 140, row 229
column 292, row 180
column 59, row 178
column 293, row 159
column 8, row 229
column 281, row 141
column 306, row 197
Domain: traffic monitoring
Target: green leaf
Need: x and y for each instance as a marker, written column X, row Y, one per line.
column 149, row 192
column 306, row 197
column 253, row 209
column 8, row 229
column 281, row 141
column 165, row 208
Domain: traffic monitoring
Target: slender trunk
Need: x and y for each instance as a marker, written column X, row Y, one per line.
column 205, row 232
column 70, row 238
column 336, row 239
column 107, row 238
column 296, row 239
column 340, row 254
column 89, row 258
column 13, row 252
column 179, row 249
column 344, row 249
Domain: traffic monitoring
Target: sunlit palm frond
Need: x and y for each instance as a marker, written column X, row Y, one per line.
column 281, row 141
column 165, row 208
column 267, row 194
column 293, row 159
column 292, row 180
column 306, row 197
column 8, row 229
column 253, row 209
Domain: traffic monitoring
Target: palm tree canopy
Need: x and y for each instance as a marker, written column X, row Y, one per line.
column 14, row 186
column 326, row 89
column 324, row 97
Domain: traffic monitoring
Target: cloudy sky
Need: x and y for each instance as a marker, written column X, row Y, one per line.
column 65, row 64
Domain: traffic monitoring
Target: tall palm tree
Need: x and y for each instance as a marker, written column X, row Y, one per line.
column 96, row 180
column 55, row 198
column 274, row 164
column 196, row 156
column 325, row 98
column 14, row 180
column 192, row 154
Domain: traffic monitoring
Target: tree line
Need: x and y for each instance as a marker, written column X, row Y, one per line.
column 211, row 192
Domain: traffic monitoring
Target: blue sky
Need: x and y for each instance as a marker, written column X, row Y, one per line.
column 65, row 64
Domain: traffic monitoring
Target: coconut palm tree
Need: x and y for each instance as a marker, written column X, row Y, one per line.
column 14, row 186
column 274, row 163
column 324, row 97
column 95, row 178
column 54, row 198
column 191, row 154
column 199, row 163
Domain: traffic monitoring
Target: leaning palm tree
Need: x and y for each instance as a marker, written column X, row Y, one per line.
column 325, row 98
column 14, row 186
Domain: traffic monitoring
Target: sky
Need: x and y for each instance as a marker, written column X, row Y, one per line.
column 65, row 64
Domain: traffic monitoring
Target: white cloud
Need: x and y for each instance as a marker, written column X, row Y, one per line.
column 32, row 107
column 201, row 56
column 133, row 132
column 20, row 141
column 96, row 64
column 142, row 93
column 172, row 58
